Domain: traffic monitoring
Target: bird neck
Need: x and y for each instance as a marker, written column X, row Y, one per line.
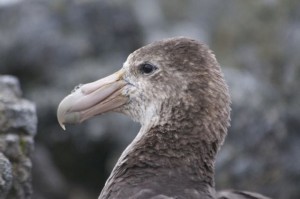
column 172, row 152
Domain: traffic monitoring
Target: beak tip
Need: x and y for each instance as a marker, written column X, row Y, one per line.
column 62, row 125
column 61, row 111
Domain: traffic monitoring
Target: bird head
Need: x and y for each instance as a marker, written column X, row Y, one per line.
column 173, row 79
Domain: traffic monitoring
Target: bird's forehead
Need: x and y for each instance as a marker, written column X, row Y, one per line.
column 138, row 57
column 174, row 55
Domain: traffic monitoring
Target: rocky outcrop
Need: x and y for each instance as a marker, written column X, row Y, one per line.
column 18, row 123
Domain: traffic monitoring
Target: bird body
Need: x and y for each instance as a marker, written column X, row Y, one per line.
column 175, row 88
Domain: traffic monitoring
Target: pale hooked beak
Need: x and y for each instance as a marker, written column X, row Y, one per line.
column 92, row 99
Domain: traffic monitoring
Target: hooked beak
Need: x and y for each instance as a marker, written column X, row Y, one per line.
column 92, row 99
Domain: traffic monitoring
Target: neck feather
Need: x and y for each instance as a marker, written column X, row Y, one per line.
column 180, row 153
column 171, row 155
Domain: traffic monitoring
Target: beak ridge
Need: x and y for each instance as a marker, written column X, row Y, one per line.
column 92, row 99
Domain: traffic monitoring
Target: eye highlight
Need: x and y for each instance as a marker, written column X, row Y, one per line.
column 147, row 68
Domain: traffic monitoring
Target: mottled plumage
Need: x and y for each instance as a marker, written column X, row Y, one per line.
column 183, row 105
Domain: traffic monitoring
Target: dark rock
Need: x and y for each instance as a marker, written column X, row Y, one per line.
column 6, row 176
column 17, row 115
column 18, row 126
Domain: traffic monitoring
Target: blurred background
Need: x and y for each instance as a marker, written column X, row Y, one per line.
column 52, row 46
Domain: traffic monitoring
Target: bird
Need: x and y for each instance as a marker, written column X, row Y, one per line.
column 176, row 90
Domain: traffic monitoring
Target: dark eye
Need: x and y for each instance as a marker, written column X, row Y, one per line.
column 147, row 68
